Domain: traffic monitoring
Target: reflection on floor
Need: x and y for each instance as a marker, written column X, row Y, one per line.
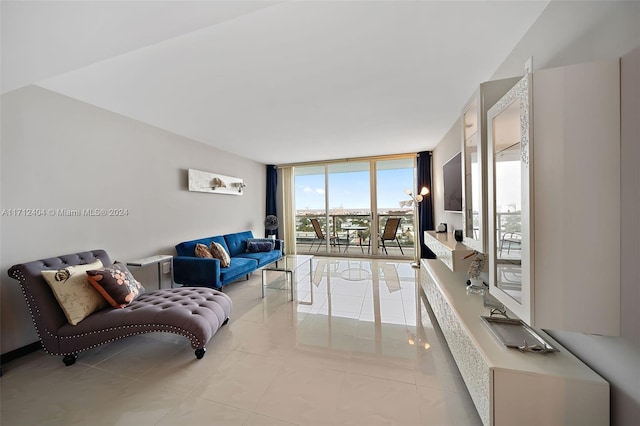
column 364, row 353
column 354, row 250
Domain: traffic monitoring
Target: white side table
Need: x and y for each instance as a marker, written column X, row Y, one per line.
column 158, row 260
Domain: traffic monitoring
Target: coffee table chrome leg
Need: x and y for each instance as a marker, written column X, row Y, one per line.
column 290, row 281
column 264, row 281
column 310, row 279
column 310, row 285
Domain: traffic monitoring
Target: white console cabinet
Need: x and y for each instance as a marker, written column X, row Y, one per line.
column 448, row 250
column 509, row 387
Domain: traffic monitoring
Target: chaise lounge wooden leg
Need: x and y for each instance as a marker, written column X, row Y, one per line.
column 70, row 359
column 200, row 352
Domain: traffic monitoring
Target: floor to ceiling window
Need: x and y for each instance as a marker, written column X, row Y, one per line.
column 355, row 208
column 313, row 225
column 394, row 207
column 350, row 204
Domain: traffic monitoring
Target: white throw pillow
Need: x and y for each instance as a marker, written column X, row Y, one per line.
column 75, row 294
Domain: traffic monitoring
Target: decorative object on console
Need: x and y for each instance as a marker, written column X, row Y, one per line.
column 478, row 264
column 212, row 183
column 271, row 224
column 415, row 200
column 494, row 306
column 457, row 233
column 514, row 333
column 442, row 228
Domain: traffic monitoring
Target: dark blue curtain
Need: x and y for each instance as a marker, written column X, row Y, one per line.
column 425, row 208
column 272, row 194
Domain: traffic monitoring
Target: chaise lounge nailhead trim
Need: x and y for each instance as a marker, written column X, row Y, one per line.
column 193, row 312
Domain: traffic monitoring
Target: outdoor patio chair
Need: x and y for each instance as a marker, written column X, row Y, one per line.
column 390, row 233
column 320, row 236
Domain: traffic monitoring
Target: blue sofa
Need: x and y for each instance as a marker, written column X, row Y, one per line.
column 190, row 270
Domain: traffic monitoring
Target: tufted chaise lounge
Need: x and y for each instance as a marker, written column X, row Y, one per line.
column 195, row 313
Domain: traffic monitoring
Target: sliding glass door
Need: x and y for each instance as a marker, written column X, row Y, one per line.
column 350, row 205
column 394, row 210
column 355, row 208
column 313, row 223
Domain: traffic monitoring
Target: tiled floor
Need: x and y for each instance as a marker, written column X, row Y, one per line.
column 364, row 353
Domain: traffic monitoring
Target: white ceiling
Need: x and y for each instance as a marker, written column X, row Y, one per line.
column 277, row 82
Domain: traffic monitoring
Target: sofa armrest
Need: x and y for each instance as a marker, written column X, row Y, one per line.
column 279, row 245
column 196, row 271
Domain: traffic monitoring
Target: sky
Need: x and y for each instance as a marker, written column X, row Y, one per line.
column 350, row 190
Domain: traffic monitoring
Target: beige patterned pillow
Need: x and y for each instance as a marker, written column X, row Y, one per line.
column 219, row 252
column 76, row 296
column 203, row 251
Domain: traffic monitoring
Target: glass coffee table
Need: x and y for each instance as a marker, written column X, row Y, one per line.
column 291, row 265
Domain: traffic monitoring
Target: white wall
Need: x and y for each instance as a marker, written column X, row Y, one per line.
column 617, row 359
column 59, row 153
column 569, row 33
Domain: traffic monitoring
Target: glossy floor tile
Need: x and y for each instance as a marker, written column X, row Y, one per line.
column 365, row 352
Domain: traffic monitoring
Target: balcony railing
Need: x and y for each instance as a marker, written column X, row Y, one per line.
column 306, row 236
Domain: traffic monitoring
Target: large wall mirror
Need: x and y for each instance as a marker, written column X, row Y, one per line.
column 474, row 160
column 473, row 171
column 509, row 205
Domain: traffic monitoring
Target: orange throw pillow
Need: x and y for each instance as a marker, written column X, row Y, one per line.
column 116, row 284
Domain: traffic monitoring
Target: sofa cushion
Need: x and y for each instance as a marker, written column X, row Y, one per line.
column 237, row 243
column 116, row 284
column 219, row 252
column 238, row 268
column 263, row 258
column 75, row 294
column 203, row 251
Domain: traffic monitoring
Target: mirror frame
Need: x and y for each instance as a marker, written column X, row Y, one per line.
column 478, row 243
column 521, row 93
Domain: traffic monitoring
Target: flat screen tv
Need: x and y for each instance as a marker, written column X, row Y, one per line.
column 452, row 178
